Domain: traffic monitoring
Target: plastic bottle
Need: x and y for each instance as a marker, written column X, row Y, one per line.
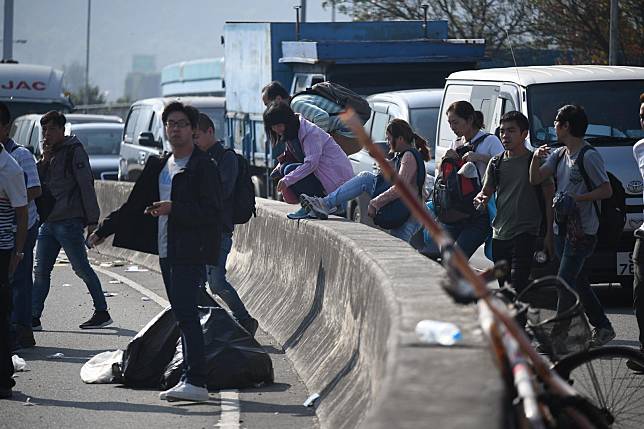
column 435, row 332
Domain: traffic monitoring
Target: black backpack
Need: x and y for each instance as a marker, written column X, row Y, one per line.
column 341, row 96
column 244, row 191
column 612, row 215
column 454, row 194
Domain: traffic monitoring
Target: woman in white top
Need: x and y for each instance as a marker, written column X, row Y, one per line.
column 479, row 147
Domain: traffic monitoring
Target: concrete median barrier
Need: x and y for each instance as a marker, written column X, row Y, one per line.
column 343, row 299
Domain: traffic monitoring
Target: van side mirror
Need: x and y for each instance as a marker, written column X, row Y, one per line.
column 146, row 138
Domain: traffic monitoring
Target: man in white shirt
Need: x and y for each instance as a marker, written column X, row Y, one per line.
column 13, row 204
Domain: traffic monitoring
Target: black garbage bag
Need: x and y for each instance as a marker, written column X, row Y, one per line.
column 149, row 352
column 234, row 359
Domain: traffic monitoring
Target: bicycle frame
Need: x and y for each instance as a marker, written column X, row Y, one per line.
column 454, row 257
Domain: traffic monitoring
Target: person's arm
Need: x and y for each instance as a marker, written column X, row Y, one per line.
column 21, row 235
column 17, row 194
column 540, row 170
column 489, row 186
column 596, row 171
column 85, row 181
column 548, row 190
column 601, row 192
column 228, row 171
column 28, row 165
column 312, row 143
column 311, row 112
column 407, row 173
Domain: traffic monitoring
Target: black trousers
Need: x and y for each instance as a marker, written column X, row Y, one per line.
column 518, row 252
column 6, row 365
column 638, row 287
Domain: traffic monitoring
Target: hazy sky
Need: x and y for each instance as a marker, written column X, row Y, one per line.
column 173, row 31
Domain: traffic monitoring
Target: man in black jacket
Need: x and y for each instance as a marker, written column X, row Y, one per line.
column 228, row 169
column 174, row 211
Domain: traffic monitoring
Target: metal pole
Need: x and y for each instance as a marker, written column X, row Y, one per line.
column 297, row 21
column 7, row 49
column 333, row 11
column 425, row 7
column 89, row 14
column 613, row 49
column 303, row 6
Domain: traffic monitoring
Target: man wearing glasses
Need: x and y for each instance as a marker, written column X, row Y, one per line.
column 174, row 211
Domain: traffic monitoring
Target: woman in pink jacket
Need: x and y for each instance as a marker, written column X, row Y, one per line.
column 312, row 164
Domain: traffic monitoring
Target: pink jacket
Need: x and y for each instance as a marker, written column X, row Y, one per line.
column 322, row 157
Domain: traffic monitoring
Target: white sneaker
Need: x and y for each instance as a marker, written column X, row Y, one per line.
column 185, row 392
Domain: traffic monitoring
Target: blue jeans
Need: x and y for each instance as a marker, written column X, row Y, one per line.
column 182, row 285
column 310, row 185
column 571, row 269
column 470, row 234
column 67, row 234
column 23, row 281
column 218, row 283
column 407, row 230
column 365, row 181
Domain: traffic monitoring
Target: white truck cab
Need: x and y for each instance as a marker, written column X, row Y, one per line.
column 610, row 96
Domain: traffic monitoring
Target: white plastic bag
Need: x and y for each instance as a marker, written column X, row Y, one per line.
column 19, row 363
column 98, row 370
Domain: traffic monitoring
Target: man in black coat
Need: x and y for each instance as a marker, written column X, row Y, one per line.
column 174, row 211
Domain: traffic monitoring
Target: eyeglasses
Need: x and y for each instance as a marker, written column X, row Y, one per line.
column 177, row 124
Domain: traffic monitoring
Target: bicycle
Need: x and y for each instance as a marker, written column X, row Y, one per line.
column 552, row 401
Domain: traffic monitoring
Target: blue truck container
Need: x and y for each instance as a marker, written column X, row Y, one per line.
column 368, row 57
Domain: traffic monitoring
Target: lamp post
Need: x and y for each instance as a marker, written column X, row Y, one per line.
column 89, row 13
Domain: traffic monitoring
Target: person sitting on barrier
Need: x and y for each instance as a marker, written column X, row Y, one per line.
column 312, row 163
column 228, row 168
column 410, row 151
column 317, row 109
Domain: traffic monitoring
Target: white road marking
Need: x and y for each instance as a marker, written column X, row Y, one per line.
column 134, row 285
column 229, row 409
column 230, row 412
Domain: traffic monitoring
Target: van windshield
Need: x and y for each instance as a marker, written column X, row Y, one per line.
column 612, row 108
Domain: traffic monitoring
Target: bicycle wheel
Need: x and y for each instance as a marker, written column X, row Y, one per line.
column 602, row 377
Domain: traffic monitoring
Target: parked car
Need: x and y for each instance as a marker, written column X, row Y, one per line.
column 144, row 133
column 420, row 108
column 26, row 129
column 102, row 142
column 610, row 96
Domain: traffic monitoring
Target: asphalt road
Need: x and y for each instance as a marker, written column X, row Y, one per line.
column 51, row 394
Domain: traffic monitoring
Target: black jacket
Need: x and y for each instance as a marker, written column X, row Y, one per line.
column 228, row 169
column 194, row 226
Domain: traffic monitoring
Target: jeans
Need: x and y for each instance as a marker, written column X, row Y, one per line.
column 518, row 252
column 310, row 185
column 572, row 270
column 6, row 364
column 406, row 230
column 182, row 285
column 218, row 283
column 471, row 233
column 638, row 286
column 67, row 234
column 365, row 181
column 23, row 281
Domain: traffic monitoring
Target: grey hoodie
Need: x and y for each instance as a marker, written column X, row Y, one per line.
column 73, row 190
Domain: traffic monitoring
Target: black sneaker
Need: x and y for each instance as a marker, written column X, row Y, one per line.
column 99, row 319
column 250, row 325
column 35, row 324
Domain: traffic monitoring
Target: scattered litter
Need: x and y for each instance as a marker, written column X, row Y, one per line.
column 56, row 356
column 105, row 264
column 311, row 400
column 19, row 363
column 65, row 285
column 115, row 282
column 109, row 294
column 28, row 403
column 135, row 269
column 276, row 413
column 118, row 263
column 145, row 298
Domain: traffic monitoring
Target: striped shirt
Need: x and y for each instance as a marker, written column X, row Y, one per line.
column 13, row 193
column 316, row 109
column 27, row 162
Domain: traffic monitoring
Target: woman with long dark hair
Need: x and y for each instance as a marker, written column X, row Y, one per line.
column 312, row 162
column 410, row 151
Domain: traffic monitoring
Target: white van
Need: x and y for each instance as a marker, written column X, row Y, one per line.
column 610, row 96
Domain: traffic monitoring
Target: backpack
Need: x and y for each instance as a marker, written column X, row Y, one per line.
column 612, row 212
column 454, row 194
column 341, row 96
column 46, row 201
column 244, row 192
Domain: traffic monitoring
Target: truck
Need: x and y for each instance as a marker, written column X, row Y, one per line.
column 30, row 88
column 368, row 57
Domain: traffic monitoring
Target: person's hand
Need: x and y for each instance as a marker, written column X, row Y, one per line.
column 91, row 229
column 159, row 208
column 471, row 157
column 94, row 240
column 542, row 152
column 281, row 186
column 371, row 211
column 14, row 261
column 47, row 152
column 481, row 199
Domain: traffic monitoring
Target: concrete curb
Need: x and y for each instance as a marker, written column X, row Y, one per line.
column 343, row 299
